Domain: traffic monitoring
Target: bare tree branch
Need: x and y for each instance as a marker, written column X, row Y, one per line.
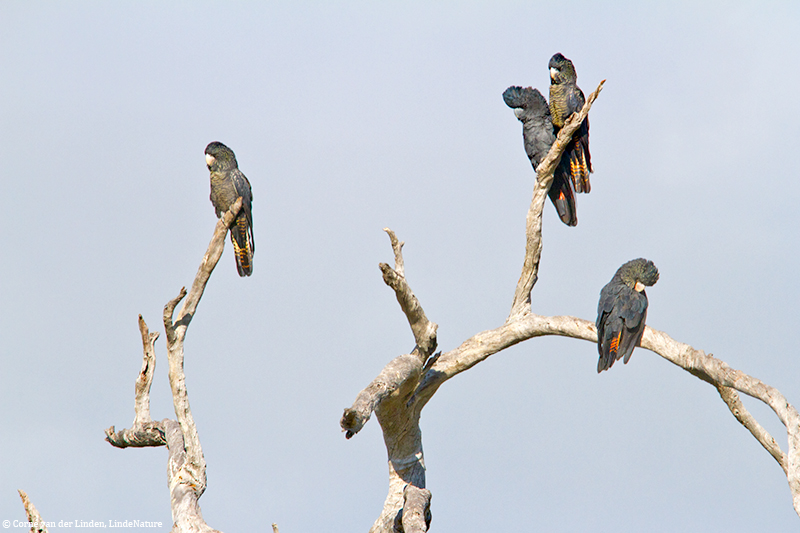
column 193, row 470
column 416, row 513
column 533, row 221
column 404, row 387
column 480, row 346
column 424, row 330
column 145, row 379
column 186, row 465
column 38, row 525
column 394, row 395
column 389, row 396
column 210, row 260
column 708, row 368
column 397, row 248
column 169, row 310
column 144, row 432
column 394, row 375
column 718, row 373
column 734, row 403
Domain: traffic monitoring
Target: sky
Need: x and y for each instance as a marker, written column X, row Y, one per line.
column 348, row 117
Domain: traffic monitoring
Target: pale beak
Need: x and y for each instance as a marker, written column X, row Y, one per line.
column 639, row 287
column 553, row 73
column 210, row 159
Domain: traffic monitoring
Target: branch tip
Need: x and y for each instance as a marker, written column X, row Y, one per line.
column 35, row 519
column 397, row 248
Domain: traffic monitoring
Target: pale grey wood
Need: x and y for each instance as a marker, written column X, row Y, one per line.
column 416, row 514
column 408, row 382
column 718, row 373
column 144, row 431
column 706, row 367
column 533, row 221
column 397, row 397
column 391, row 397
column 38, row 525
column 186, row 466
column 424, row 330
column 734, row 403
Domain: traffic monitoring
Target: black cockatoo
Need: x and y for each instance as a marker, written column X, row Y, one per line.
column 622, row 310
column 566, row 98
column 531, row 109
column 227, row 184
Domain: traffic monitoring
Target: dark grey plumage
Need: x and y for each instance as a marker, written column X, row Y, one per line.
column 622, row 311
column 531, row 108
column 567, row 98
column 227, row 185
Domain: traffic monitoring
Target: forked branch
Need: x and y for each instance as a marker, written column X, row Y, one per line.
column 707, row 368
column 402, row 389
column 390, row 396
column 734, row 403
column 186, row 465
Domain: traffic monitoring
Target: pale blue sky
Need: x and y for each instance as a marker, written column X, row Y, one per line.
column 348, row 117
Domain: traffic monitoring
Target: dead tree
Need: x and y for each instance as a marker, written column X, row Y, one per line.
column 405, row 385
column 186, row 464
